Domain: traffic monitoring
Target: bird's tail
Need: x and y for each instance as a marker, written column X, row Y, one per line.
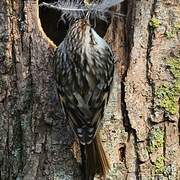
column 94, row 160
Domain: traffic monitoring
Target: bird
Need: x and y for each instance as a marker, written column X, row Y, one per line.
column 83, row 72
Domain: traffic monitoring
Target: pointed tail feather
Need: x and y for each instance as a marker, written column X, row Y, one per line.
column 94, row 160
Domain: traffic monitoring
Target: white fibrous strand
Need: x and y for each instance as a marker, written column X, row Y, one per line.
column 74, row 9
column 106, row 4
column 69, row 9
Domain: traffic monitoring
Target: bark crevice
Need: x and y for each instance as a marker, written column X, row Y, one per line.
column 149, row 64
column 125, row 117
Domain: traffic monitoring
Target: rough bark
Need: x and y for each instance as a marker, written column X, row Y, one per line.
column 35, row 140
column 141, row 127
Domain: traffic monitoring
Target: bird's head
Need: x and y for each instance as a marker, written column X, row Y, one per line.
column 80, row 29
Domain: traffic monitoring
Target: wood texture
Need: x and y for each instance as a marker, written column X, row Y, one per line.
column 141, row 128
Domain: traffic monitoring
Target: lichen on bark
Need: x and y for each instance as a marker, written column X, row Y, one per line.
column 155, row 139
column 168, row 94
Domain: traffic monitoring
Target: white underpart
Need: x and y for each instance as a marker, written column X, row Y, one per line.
column 100, row 44
column 100, row 41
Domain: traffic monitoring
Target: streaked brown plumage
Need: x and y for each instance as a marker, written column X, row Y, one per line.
column 84, row 67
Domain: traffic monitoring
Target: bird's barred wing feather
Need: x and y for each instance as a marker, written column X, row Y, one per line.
column 83, row 91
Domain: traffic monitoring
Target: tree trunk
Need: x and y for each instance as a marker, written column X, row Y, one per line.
column 141, row 127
